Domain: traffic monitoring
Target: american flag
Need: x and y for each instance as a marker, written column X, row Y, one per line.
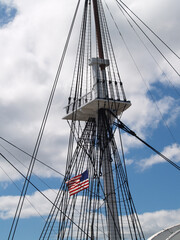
column 78, row 183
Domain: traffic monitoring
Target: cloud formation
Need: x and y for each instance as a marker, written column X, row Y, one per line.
column 30, row 48
column 157, row 221
column 36, row 205
column 171, row 152
column 31, row 44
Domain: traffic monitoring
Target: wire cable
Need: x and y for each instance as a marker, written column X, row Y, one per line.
column 133, row 59
column 20, row 191
column 152, row 97
column 128, row 130
column 39, row 138
column 150, row 29
column 20, row 149
column 42, row 194
column 120, row 6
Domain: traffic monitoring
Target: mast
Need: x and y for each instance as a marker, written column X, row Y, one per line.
column 109, row 189
column 98, row 30
column 105, row 210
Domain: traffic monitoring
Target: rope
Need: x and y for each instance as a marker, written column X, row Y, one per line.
column 120, row 5
column 43, row 194
column 126, row 129
column 163, row 73
column 20, row 149
column 20, row 191
column 39, row 138
column 151, row 95
column 150, row 29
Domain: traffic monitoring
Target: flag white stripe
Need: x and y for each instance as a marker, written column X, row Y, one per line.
column 79, row 185
column 79, row 188
column 76, row 185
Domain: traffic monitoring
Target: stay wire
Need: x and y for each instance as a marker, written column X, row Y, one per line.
column 125, row 191
column 120, row 6
column 160, row 68
column 20, row 191
column 39, row 138
column 26, row 168
column 140, row 72
column 20, row 149
column 126, row 129
column 160, row 154
column 150, row 29
column 51, row 215
column 152, row 97
column 43, row 194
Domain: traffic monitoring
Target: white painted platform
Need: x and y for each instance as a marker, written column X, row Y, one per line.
column 90, row 109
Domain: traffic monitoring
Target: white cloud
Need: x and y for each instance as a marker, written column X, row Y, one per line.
column 175, row 113
column 147, row 117
column 30, row 48
column 35, row 205
column 145, row 113
column 172, row 152
column 4, row 185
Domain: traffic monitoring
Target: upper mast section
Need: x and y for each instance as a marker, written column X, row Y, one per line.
column 98, row 30
column 96, row 82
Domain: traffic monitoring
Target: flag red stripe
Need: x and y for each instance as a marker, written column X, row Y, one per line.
column 73, row 179
column 78, row 190
column 79, row 187
column 73, row 183
column 78, row 183
column 74, row 192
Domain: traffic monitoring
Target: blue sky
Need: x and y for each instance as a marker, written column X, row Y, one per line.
column 7, row 13
column 32, row 36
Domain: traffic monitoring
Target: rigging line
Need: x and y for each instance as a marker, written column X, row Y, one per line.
column 126, row 129
column 39, row 138
column 20, row 191
column 83, row 216
column 52, row 211
column 43, row 194
column 111, row 213
column 96, row 195
column 119, row 5
column 140, row 71
column 89, row 156
column 125, row 188
column 163, row 73
column 127, row 195
column 20, row 149
column 149, row 29
column 26, row 168
column 80, row 145
column 160, row 154
column 96, row 209
column 48, row 220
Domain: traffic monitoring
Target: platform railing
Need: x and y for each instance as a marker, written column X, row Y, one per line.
column 113, row 92
column 79, row 102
